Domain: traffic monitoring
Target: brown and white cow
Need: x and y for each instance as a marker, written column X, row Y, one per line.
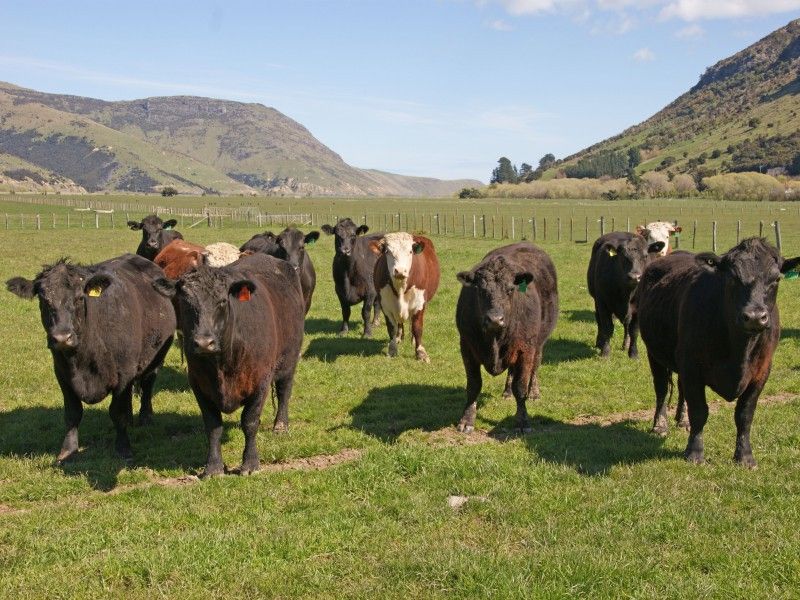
column 406, row 278
column 658, row 231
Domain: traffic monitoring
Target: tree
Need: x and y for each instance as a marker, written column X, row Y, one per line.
column 504, row 172
column 546, row 161
column 634, row 157
column 754, row 122
column 794, row 168
column 525, row 172
column 169, row 191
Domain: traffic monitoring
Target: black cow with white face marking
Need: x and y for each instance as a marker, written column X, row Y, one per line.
column 242, row 331
column 353, row 268
column 617, row 263
column 156, row 234
column 714, row 321
column 289, row 245
column 107, row 328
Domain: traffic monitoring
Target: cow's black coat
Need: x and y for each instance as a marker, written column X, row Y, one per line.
column 156, row 234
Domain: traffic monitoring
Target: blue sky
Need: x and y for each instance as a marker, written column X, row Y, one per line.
column 420, row 87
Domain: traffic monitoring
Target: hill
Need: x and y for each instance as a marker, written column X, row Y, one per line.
column 194, row 144
column 742, row 115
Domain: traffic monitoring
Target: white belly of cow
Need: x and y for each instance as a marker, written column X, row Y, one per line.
column 403, row 305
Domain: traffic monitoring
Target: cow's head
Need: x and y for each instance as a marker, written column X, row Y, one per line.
column 346, row 233
column 209, row 300
column 292, row 245
column 68, row 295
column 658, row 231
column 628, row 258
column 152, row 238
column 751, row 272
column 265, row 242
column 179, row 257
column 496, row 283
column 399, row 249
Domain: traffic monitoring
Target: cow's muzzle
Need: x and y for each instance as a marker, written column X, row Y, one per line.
column 755, row 320
column 63, row 340
column 205, row 344
column 494, row 320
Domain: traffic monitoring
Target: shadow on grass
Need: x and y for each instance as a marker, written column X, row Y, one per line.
column 389, row 411
column 558, row 350
column 582, row 316
column 313, row 326
column 328, row 349
column 173, row 441
column 790, row 334
column 589, row 448
column 171, row 379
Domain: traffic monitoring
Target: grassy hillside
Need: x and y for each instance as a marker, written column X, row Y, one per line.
column 19, row 175
column 743, row 114
column 196, row 144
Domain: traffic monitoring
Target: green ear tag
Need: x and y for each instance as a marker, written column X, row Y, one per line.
column 612, row 252
column 311, row 242
column 94, row 292
column 523, row 286
column 168, row 227
column 791, row 275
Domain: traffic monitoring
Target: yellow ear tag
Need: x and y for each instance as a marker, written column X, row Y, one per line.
column 95, row 291
column 612, row 252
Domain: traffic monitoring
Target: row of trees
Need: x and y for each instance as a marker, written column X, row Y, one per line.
column 505, row 172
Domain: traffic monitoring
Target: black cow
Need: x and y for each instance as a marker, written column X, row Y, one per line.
column 713, row 321
column 353, row 267
column 507, row 309
column 289, row 245
column 242, row 330
column 155, row 235
column 617, row 263
column 107, row 329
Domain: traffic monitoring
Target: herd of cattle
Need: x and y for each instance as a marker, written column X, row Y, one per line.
column 240, row 314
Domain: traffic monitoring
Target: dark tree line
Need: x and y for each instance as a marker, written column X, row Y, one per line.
column 506, row 172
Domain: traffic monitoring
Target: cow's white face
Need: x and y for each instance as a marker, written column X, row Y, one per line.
column 659, row 232
column 399, row 251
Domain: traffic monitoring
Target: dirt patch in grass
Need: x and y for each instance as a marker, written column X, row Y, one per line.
column 6, row 510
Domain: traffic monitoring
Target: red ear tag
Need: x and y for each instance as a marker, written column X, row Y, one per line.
column 244, row 294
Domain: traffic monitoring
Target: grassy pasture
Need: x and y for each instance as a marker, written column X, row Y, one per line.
column 353, row 501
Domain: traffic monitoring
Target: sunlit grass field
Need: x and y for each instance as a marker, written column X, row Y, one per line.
column 353, row 502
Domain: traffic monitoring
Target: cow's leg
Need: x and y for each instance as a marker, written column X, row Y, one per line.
column 474, row 383
column 745, row 407
column 523, row 371
column 148, row 381
column 376, row 311
column 507, row 393
column 698, row 415
column 121, row 411
column 251, row 419
column 366, row 314
column 534, row 393
column 212, row 420
column 394, row 334
column 73, row 413
column 681, row 418
column 416, row 332
column 283, row 390
column 605, row 329
column 661, row 379
column 632, row 335
column 345, row 317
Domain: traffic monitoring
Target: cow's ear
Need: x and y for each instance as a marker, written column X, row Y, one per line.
column 270, row 236
column 327, row 229
column 521, row 280
column 135, row 225
column 362, row 229
column 311, row 238
column 418, row 246
column 24, row 288
column 97, row 284
column 790, row 264
column 170, row 224
column 199, row 257
column 677, row 229
column 165, row 287
column 655, row 247
column 466, row 277
column 708, row 260
column 242, row 290
column 641, row 230
column 611, row 250
column 377, row 246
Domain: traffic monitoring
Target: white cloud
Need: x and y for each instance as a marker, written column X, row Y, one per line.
column 644, row 55
column 500, row 25
column 693, row 10
column 693, row 31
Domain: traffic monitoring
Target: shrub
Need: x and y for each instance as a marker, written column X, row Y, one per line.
column 744, row 186
column 169, row 191
column 470, row 193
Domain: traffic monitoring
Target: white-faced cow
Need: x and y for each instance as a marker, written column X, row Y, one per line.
column 107, row 329
column 659, row 231
column 615, row 267
column 712, row 320
column 156, row 234
column 507, row 309
column 289, row 245
column 242, row 331
column 353, row 270
column 406, row 278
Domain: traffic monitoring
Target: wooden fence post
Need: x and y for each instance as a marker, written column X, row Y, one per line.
column 778, row 235
column 483, row 218
column 544, row 227
column 533, row 219
column 513, row 229
column 602, row 226
column 677, row 237
column 38, row 221
column 714, row 237
column 586, row 230
column 738, row 230
column 761, row 229
column 558, row 220
column 571, row 227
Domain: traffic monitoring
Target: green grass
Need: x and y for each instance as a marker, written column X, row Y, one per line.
column 589, row 505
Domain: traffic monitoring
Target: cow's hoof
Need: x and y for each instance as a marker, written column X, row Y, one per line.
column 525, row 429
column 125, row 454
column 366, row 335
column 391, row 351
column 464, row 428
column 684, row 424
column 145, row 419
column 65, row 455
column 696, row 458
column 422, row 356
column 634, row 355
column 660, row 430
column 248, row 468
column 747, row 461
column 213, row 471
column 280, row 427
column 605, row 352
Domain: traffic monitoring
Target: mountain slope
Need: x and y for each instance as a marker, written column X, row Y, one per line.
column 192, row 143
column 743, row 114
